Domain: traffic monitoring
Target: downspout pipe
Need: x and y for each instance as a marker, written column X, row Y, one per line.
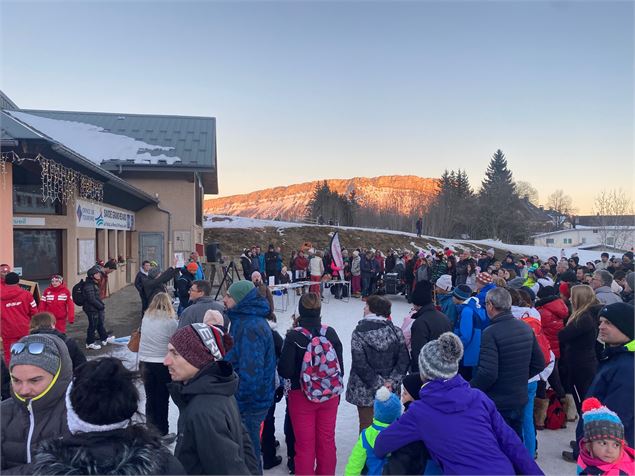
column 169, row 234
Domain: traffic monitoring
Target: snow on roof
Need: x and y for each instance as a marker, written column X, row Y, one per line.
column 94, row 142
column 585, row 228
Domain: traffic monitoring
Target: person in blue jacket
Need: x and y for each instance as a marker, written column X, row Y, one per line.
column 253, row 355
column 483, row 285
column 469, row 325
column 194, row 258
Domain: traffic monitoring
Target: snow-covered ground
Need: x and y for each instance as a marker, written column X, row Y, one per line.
column 543, row 252
column 343, row 317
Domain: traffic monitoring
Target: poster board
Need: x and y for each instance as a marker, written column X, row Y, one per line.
column 85, row 255
column 32, row 287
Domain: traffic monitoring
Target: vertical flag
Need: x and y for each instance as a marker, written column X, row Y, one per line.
column 336, row 253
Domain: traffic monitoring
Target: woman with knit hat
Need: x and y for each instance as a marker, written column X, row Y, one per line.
column 313, row 423
column 212, row 438
column 101, row 403
column 459, row 425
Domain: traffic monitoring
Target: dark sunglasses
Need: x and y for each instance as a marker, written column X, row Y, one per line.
column 34, row 348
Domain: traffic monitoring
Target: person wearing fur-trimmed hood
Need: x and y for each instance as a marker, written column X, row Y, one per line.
column 101, row 402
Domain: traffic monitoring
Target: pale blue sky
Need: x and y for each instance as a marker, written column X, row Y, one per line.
column 307, row 90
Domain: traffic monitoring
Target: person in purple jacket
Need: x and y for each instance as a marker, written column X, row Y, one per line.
column 459, row 425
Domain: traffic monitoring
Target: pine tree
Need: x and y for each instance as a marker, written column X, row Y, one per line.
column 498, row 202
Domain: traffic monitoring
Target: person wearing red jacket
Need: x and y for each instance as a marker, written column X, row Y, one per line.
column 553, row 312
column 17, row 307
column 57, row 300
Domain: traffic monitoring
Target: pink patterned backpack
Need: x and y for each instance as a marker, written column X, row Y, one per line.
column 320, row 376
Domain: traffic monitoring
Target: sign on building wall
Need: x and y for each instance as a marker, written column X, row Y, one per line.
column 93, row 215
column 85, row 255
column 29, row 221
column 182, row 240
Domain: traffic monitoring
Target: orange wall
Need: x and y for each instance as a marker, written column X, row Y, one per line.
column 6, row 216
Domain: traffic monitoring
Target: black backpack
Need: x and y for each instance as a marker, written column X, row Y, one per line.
column 77, row 293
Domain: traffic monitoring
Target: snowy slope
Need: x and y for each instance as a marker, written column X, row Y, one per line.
column 543, row 252
column 396, row 193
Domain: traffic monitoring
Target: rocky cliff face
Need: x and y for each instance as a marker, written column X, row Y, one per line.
column 402, row 194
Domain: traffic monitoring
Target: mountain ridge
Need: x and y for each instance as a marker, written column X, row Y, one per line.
column 396, row 193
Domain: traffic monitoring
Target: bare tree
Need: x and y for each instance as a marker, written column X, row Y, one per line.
column 562, row 206
column 610, row 206
column 526, row 190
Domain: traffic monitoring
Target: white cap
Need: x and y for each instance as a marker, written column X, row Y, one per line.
column 444, row 282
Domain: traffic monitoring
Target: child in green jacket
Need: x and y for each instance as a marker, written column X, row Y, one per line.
column 387, row 408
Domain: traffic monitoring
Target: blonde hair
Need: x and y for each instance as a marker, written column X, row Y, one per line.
column 499, row 282
column 582, row 298
column 162, row 304
column 42, row 320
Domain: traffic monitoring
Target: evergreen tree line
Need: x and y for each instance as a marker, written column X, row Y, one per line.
column 495, row 211
column 458, row 211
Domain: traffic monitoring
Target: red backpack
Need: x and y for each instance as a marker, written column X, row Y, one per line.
column 320, row 376
column 543, row 342
column 556, row 416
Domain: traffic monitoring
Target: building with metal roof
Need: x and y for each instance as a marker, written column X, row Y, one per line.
column 89, row 186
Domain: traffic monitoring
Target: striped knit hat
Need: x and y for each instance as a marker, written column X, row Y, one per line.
column 599, row 422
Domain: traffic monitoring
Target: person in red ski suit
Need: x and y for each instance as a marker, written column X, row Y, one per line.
column 17, row 307
column 57, row 300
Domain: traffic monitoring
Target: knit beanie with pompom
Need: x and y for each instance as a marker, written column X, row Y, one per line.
column 439, row 359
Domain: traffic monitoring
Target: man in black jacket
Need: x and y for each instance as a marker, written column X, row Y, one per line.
column 95, row 309
column 212, row 439
column 509, row 357
column 428, row 323
column 142, row 275
column 156, row 281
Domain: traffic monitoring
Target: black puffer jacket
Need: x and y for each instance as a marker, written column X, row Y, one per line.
column 92, row 301
column 428, row 325
column 510, row 355
column 211, row 436
column 76, row 355
column 152, row 287
column 294, row 347
column 49, row 417
column 379, row 353
column 132, row 450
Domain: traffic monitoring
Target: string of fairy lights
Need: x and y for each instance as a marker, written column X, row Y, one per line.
column 59, row 183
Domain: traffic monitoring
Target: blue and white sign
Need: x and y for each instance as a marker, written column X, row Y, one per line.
column 93, row 215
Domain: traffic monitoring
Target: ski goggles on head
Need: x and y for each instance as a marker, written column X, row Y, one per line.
column 57, row 277
column 33, row 348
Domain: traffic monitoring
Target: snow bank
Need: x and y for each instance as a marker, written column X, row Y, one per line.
column 543, row 252
column 94, row 143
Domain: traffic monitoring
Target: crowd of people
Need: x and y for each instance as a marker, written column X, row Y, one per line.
column 488, row 353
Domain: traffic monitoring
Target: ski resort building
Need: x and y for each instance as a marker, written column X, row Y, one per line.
column 78, row 187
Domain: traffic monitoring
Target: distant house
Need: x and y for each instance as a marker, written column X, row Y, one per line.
column 77, row 187
column 611, row 238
